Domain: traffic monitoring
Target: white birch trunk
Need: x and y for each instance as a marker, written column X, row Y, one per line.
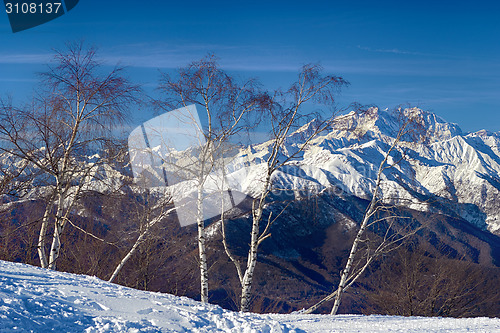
column 42, row 238
column 128, row 255
column 59, row 221
column 56, row 238
column 255, row 240
column 201, row 246
column 354, row 249
column 246, row 285
column 56, row 245
column 346, row 280
column 138, row 242
column 368, row 214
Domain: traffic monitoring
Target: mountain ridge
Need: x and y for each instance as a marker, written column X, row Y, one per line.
column 462, row 168
column 454, row 169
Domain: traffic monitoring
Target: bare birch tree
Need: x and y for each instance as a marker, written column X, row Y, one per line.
column 411, row 130
column 151, row 217
column 227, row 108
column 74, row 112
column 285, row 115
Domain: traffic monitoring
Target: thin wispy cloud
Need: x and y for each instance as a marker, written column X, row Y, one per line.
column 232, row 57
column 165, row 56
column 25, row 58
column 17, row 80
column 261, row 59
column 168, row 56
column 395, row 51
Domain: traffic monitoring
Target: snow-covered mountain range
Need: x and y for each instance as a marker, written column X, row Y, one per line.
column 454, row 173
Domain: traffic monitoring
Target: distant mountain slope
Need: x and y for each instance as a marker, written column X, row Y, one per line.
column 456, row 174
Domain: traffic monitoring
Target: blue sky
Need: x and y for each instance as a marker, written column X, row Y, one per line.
column 443, row 56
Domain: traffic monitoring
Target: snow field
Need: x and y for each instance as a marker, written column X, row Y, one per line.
column 39, row 300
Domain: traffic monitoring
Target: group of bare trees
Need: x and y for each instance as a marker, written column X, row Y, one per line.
column 71, row 115
column 232, row 107
column 56, row 141
column 417, row 281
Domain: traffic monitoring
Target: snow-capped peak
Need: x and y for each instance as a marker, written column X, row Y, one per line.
column 375, row 123
column 461, row 171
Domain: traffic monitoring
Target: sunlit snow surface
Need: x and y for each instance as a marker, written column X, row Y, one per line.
column 37, row 300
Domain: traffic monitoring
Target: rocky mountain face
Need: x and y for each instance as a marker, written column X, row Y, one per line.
column 453, row 173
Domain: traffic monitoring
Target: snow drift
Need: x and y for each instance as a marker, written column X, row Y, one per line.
column 33, row 299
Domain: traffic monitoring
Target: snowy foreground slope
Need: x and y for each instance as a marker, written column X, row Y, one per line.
column 37, row 300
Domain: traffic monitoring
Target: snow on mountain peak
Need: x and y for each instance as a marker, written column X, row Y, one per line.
column 462, row 171
column 375, row 123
